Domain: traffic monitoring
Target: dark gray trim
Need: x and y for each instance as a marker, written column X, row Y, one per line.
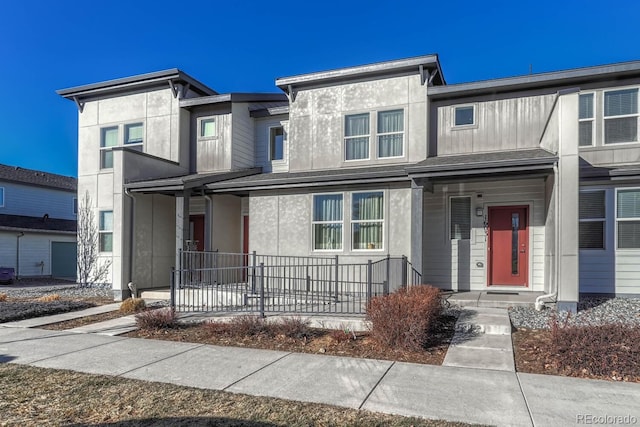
column 369, row 70
column 484, row 171
column 268, row 112
column 35, row 230
column 137, row 82
column 230, row 188
column 555, row 78
column 233, row 97
column 143, row 154
column 181, row 183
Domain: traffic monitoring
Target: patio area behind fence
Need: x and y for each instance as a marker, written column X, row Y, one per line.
column 214, row 281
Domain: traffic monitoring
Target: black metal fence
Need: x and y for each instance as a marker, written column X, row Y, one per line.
column 214, row 281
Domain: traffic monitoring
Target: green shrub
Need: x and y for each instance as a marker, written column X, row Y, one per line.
column 404, row 319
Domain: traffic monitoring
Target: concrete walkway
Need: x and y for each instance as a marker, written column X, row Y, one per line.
column 438, row 392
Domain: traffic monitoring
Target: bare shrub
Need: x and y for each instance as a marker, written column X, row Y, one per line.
column 132, row 305
column 292, row 327
column 91, row 268
column 404, row 319
column 162, row 318
column 49, row 298
column 247, row 325
column 607, row 351
column 341, row 335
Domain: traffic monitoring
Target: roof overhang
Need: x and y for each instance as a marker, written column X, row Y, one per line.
column 187, row 182
column 233, row 97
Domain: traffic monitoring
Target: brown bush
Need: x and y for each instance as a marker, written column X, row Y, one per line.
column 341, row 335
column 403, row 319
column 132, row 305
column 49, row 298
column 248, row 326
column 161, row 318
column 3, row 297
column 292, row 327
column 607, row 351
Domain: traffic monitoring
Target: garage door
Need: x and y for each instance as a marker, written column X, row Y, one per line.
column 64, row 259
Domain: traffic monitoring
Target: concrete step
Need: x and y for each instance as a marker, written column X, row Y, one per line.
column 492, row 321
column 493, row 299
column 159, row 294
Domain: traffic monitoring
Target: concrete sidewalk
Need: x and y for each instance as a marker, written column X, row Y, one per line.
column 437, row 392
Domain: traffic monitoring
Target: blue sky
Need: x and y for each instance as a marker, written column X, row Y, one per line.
column 242, row 46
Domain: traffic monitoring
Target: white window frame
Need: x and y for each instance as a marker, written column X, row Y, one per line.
column 473, row 125
column 354, row 221
column 618, row 220
column 379, row 134
column 269, row 150
column 104, row 149
column 605, row 118
column 215, row 120
column 75, row 206
column 592, row 119
column 1, row 197
column 450, row 216
column 603, row 220
column 345, row 138
column 313, row 222
column 102, row 231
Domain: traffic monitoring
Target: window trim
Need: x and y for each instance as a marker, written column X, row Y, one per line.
column 592, row 119
column 105, row 231
column 605, row 118
column 382, row 221
column 450, row 215
column 313, row 222
column 617, row 220
column 269, row 151
column 473, row 125
column 379, row 134
column 345, row 138
column 2, row 196
column 603, row 220
column 201, row 128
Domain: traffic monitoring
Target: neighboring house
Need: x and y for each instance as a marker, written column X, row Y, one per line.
column 37, row 222
column 520, row 184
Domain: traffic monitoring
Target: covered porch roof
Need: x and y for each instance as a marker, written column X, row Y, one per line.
column 176, row 184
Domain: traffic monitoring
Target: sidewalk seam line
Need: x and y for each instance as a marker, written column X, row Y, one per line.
column 526, row 402
column 70, row 352
column 256, row 371
column 159, row 360
column 376, row 385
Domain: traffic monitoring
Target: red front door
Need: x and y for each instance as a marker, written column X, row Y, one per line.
column 197, row 230
column 508, row 246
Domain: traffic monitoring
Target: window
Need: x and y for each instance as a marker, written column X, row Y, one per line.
column 592, row 219
column 106, row 231
column 464, row 116
column 108, row 139
column 276, row 143
column 585, row 119
column 75, row 206
column 621, row 116
column 1, row 197
column 367, row 220
column 390, row 133
column 327, row 222
column 460, row 226
column 208, row 128
column 628, row 219
column 133, row 136
column 356, row 136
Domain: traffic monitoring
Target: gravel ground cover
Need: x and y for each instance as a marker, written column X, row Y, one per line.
column 19, row 310
column 591, row 311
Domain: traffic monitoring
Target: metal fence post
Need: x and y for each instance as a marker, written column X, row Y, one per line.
column 172, row 293
column 405, row 266
column 369, row 280
column 253, row 272
column 262, row 290
column 337, row 271
column 387, row 283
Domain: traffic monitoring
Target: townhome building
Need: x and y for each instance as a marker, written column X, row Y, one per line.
column 38, row 213
column 523, row 184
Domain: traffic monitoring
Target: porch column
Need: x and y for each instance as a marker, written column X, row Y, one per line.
column 568, row 187
column 182, row 223
column 208, row 222
column 417, row 218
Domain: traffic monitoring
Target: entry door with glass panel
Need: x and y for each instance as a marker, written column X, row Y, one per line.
column 508, row 246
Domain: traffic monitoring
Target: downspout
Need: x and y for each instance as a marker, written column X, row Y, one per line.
column 539, row 304
column 21, row 234
column 131, row 285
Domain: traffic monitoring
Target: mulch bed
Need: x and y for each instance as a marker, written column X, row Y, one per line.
column 319, row 341
column 12, row 310
column 82, row 321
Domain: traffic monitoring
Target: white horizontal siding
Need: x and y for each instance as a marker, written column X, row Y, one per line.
column 36, row 201
column 35, row 252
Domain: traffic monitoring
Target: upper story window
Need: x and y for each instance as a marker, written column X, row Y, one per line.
column 464, row 115
column 390, row 133
column 628, row 218
column 592, row 212
column 327, row 221
column 108, row 139
column 208, row 128
column 1, row 197
column 585, row 119
column 367, row 220
column 356, row 136
column 133, row 136
column 460, row 218
column 276, row 143
column 105, row 231
column 621, row 116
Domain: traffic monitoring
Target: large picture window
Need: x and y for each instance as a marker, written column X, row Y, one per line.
column 628, row 218
column 390, row 133
column 585, row 119
column 356, row 136
column 367, row 220
column 621, row 116
column 105, row 231
column 327, row 221
column 460, row 218
column 592, row 213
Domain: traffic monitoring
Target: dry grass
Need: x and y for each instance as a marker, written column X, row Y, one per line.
column 3, row 297
column 49, row 298
column 36, row 397
column 82, row 321
column 132, row 305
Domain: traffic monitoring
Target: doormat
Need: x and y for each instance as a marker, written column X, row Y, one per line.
column 502, row 293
